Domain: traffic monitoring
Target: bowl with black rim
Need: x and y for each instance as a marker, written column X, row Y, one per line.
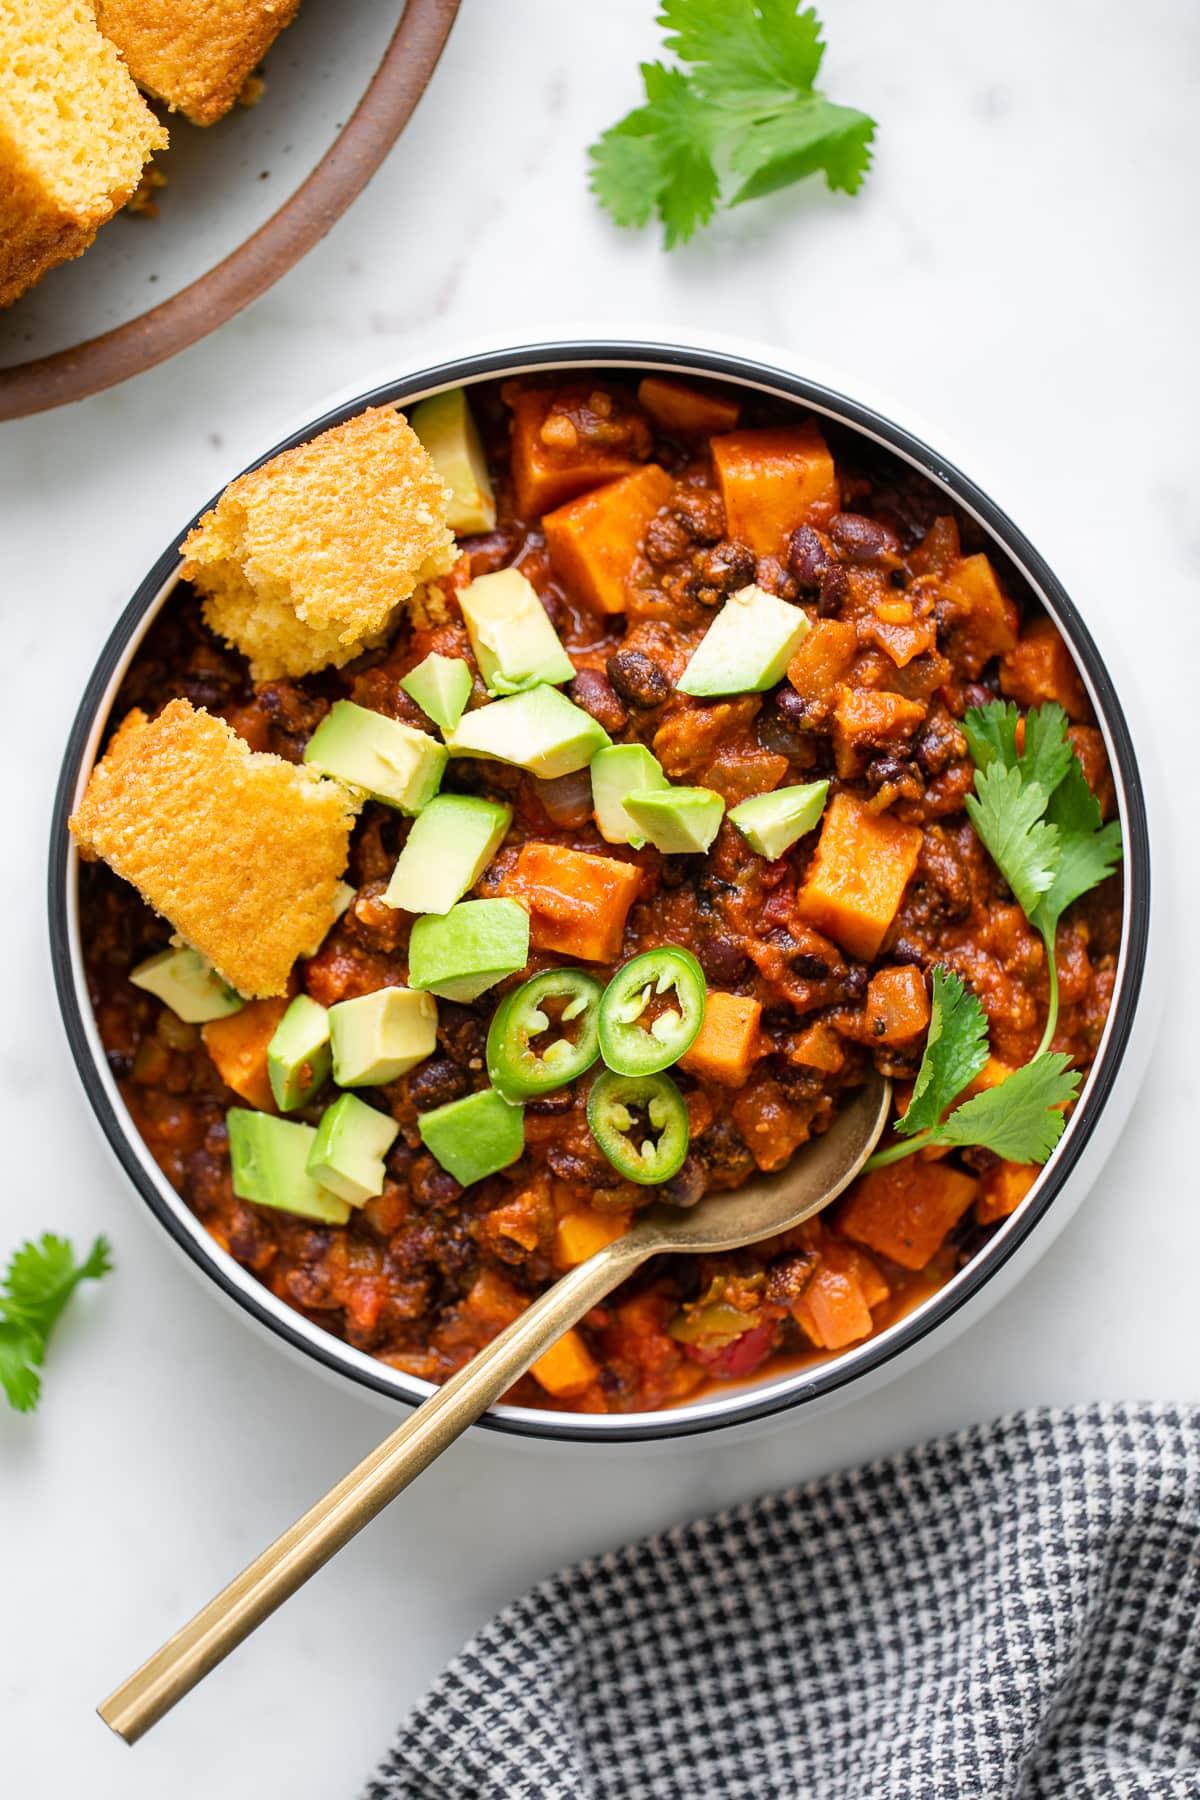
column 1013, row 1245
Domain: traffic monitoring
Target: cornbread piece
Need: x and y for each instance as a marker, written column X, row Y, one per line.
column 303, row 562
column 240, row 852
column 196, row 58
column 74, row 136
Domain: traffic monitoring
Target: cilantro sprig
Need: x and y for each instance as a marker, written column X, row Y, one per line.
column 1041, row 824
column 741, row 118
column 39, row 1282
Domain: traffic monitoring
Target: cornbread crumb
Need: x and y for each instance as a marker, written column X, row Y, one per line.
column 196, row 58
column 74, row 136
column 303, row 563
column 239, row 851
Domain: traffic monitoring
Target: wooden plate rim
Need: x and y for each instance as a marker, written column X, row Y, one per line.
column 303, row 219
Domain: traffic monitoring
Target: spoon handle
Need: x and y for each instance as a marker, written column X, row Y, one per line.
column 253, row 1595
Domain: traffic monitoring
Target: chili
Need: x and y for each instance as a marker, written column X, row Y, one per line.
column 641, row 1124
column 516, row 1066
column 639, row 1037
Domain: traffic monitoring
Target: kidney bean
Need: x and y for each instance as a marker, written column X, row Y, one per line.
column 723, row 961
column 808, row 556
column 437, row 1082
column 592, row 690
column 685, row 1188
column 637, row 679
column 863, row 540
column 430, row 1186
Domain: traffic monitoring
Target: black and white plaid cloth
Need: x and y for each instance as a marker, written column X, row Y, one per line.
column 1014, row 1611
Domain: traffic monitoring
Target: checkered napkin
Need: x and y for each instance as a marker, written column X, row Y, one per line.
column 1010, row 1612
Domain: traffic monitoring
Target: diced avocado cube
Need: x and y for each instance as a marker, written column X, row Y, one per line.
column 617, row 772
column 187, row 983
column 446, row 428
column 298, row 1056
column 514, row 642
column 469, row 949
column 474, row 1137
column 539, row 730
column 441, row 687
column 269, row 1160
column 772, row 823
column 381, row 1036
column 351, row 1143
column 748, row 646
column 388, row 760
column 679, row 821
column 446, row 852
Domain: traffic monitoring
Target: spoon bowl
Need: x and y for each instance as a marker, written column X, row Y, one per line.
column 764, row 1207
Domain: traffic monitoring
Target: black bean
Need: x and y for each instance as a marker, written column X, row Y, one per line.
column 637, row 679
column 854, row 983
column 700, row 512
column 727, row 567
column 461, row 1034
column 665, row 541
column 788, row 1276
column 834, row 589
column 588, row 1171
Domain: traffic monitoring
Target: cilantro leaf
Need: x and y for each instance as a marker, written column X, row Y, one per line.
column 812, row 135
column 1088, row 850
column 20, row 1353
column 991, row 733
column 1019, row 1120
column 40, row 1279
column 1007, row 813
column 743, row 106
column 1047, row 752
column 955, row 1051
column 745, row 53
column 659, row 156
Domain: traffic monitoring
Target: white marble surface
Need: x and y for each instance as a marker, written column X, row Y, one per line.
column 1023, row 268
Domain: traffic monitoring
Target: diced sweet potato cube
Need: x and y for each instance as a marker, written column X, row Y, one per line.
column 725, row 1049
column 774, row 480
column 567, row 1368
column 238, row 1047
column 982, row 620
column 905, row 1210
column 593, row 540
column 895, row 627
column 869, row 719
column 1041, row 668
column 494, row 1302
column 577, row 902
column 552, row 460
column 677, row 407
column 857, row 878
column 897, row 1005
column 1002, row 1190
column 821, row 662
column 818, row 1047
column 835, row 1307
column 581, row 1233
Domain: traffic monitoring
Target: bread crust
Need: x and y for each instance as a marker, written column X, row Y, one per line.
column 240, row 852
column 196, row 58
column 304, row 562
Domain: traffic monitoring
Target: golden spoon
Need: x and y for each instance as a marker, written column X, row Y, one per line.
column 765, row 1206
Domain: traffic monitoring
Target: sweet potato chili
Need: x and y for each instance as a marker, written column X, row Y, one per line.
column 780, row 961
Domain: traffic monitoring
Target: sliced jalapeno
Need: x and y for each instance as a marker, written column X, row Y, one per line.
column 641, row 1124
column 519, row 1069
column 651, row 1011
